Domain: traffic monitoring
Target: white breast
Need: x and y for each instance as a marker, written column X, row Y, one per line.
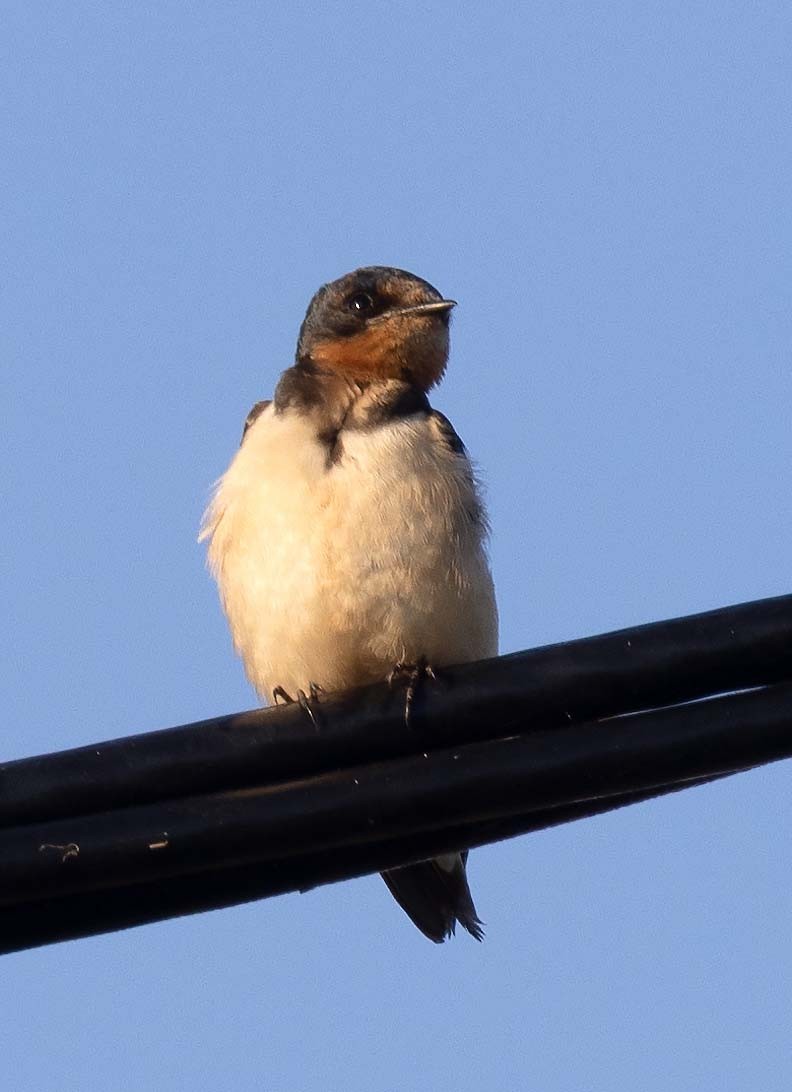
column 331, row 573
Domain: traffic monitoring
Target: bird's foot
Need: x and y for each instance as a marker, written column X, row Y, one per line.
column 284, row 696
column 414, row 674
column 305, row 701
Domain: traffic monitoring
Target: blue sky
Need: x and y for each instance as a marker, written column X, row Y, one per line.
column 605, row 190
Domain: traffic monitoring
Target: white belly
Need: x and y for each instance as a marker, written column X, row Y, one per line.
column 332, row 573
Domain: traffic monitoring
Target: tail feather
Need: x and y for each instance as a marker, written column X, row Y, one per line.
column 435, row 895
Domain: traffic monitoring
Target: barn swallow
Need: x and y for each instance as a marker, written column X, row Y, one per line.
column 348, row 534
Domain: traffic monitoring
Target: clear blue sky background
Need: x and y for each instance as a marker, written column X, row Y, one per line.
column 605, row 188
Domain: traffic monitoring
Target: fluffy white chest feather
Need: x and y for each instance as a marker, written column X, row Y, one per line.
column 331, row 571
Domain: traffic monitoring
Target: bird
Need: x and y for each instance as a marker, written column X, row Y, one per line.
column 348, row 536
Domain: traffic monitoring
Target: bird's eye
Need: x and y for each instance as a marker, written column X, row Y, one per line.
column 361, row 303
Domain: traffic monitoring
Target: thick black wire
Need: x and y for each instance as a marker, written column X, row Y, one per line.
column 242, row 807
column 653, row 665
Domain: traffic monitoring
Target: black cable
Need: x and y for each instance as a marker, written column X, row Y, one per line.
column 316, row 830
column 241, row 807
column 659, row 664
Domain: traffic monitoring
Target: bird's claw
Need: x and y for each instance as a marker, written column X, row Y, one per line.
column 279, row 692
column 303, row 700
column 414, row 674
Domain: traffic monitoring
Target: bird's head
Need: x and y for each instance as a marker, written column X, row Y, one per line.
column 377, row 323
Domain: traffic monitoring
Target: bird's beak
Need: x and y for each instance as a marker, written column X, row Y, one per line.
column 438, row 306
